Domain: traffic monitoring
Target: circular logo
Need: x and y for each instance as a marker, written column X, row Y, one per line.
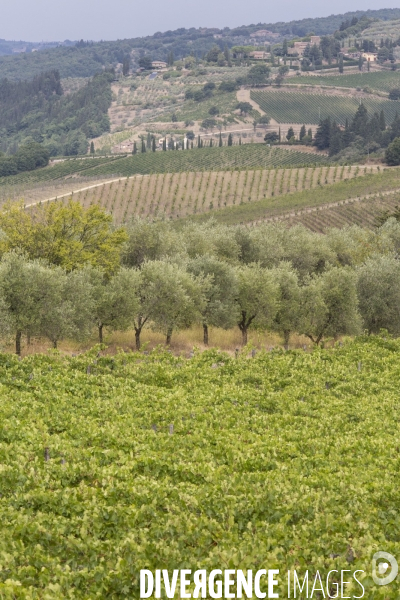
column 378, row 571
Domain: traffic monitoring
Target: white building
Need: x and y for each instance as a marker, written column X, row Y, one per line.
column 159, row 64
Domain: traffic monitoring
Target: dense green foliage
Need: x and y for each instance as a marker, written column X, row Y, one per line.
column 265, row 452
column 365, row 133
column 393, row 152
column 37, row 110
column 17, row 99
column 267, row 277
column 27, row 158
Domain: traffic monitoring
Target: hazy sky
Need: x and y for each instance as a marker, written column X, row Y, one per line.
column 36, row 20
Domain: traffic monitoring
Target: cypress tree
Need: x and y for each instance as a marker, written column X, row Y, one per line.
column 323, row 134
column 240, row 141
column 382, row 122
column 230, row 140
column 211, row 143
column 91, row 148
column 346, row 136
column 134, row 151
column 227, row 54
column 220, row 139
column 143, row 146
column 154, row 144
column 198, row 141
column 335, row 141
column 290, row 134
column 126, row 66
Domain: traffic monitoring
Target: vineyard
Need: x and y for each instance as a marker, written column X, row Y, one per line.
column 206, row 159
column 184, row 194
column 363, row 213
column 382, row 81
column 300, row 107
column 234, row 157
column 372, row 185
column 61, row 170
column 115, row 464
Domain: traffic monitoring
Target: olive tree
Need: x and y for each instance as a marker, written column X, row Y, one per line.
column 69, row 314
column 169, row 298
column 257, row 300
column 288, row 315
column 307, row 251
column 329, row 305
column 211, row 239
column 27, row 290
column 116, row 300
column 220, row 309
column 379, row 294
column 149, row 240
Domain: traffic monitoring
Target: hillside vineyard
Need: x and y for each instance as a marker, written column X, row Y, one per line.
column 200, row 307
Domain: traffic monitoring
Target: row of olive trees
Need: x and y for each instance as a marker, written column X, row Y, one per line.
column 65, row 270
column 43, row 300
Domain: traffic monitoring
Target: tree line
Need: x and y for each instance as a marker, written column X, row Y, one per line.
column 66, row 270
column 27, row 158
column 364, row 133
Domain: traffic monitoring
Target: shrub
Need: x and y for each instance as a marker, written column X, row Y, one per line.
column 394, row 94
column 392, row 155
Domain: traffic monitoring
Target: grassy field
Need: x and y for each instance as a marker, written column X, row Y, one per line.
column 381, row 81
column 300, row 107
column 268, row 208
column 182, row 194
column 114, row 464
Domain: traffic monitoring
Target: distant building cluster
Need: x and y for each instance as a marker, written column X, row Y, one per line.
column 259, row 55
column 299, row 47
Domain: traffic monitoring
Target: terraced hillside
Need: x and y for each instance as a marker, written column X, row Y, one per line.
column 300, row 107
column 183, row 194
